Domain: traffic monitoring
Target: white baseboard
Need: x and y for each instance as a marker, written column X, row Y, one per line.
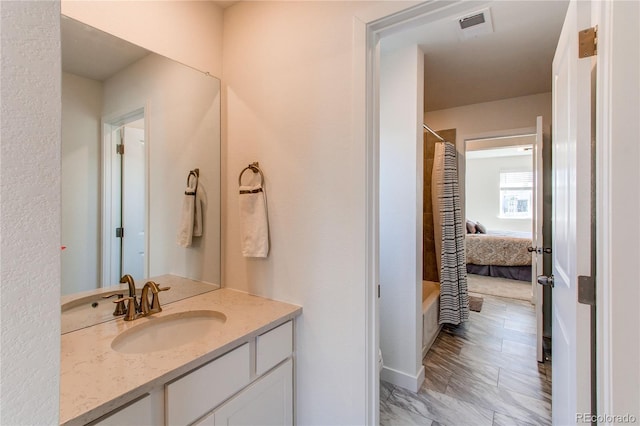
column 404, row 380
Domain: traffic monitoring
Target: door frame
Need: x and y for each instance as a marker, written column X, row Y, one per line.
column 110, row 123
column 617, row 133
column 367, row 34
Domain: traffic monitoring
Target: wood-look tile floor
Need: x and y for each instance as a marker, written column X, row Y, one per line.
column 483, row 372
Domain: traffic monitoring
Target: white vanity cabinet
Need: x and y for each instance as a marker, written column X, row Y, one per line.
column 241, row 387
column 240, row 372
column 251, row 384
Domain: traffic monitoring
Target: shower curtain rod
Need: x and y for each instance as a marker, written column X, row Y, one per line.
column 433, row 132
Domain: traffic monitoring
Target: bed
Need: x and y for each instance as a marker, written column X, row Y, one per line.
column 501, row 254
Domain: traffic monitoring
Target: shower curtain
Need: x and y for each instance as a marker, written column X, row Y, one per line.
column 449, row 236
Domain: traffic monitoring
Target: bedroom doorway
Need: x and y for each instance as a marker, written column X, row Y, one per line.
column 508, row 236
column 499, row 208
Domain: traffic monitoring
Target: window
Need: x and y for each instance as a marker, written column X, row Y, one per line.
column 516, row 192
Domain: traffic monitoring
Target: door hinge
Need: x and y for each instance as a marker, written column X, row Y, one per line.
column 120, row 149
column 586, row 290
column 588, row 42
column 119, row 232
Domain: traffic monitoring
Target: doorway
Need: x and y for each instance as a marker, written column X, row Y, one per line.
column 124, row 197
column 500, row 205
column 442, row 123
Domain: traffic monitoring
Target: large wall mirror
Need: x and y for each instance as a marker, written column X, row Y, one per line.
column 134, row 124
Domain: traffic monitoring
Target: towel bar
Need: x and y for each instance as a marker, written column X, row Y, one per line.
column 255, row 168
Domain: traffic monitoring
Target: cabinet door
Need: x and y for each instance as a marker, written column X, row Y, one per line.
column 268, row 401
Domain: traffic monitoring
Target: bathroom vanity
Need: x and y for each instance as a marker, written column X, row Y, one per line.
column 236, row 370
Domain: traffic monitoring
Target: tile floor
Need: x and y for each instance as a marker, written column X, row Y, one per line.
column 481, row 373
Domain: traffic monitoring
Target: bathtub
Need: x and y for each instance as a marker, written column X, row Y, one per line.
column 430, row 312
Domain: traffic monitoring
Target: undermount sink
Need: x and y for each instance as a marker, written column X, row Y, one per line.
column 171, row 331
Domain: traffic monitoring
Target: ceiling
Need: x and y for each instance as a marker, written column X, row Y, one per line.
column 514, row 60
column 94, row 54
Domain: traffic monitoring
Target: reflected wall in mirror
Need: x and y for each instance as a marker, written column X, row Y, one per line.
column 167, row 116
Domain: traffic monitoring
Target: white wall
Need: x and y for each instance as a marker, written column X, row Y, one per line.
column 30, row 212
column 183, row 134
column 289, row 90
column 491, row 118
column 401, row 193
column 482, row 202
column 81, row 113
column 189, row 32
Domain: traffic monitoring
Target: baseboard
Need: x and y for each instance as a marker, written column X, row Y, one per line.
column 404, row 380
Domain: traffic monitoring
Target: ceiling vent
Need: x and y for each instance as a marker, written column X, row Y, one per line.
column 474, row 24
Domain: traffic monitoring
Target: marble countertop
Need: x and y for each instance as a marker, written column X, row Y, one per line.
column 95, row 379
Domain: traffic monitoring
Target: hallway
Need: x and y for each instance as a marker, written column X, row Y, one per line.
column 481, row 373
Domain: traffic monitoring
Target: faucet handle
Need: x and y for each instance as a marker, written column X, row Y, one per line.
column 120, row 308
column 155, row 300
column 131, row 309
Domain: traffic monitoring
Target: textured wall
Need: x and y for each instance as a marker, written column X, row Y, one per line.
column 30, row 212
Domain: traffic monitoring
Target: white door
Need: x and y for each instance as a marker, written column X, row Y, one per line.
column 536, row 237
column 571, row 145
column 124, row 199
column 133, row 201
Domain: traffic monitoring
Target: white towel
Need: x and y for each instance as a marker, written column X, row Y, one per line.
column 198, row 217
column 254, row 221
column 191, row 215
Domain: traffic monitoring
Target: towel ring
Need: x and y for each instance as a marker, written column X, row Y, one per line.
column 255, row 168
column 192, row 173
column 196, row 174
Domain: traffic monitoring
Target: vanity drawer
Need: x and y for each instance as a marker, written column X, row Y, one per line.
column 197, row 393
column 138, row 412
column 274, row 346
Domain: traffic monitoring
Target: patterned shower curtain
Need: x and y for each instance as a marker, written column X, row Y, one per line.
column 449, row 236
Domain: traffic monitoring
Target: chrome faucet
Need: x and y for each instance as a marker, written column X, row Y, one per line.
column 128, row 279
column 155, row 300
